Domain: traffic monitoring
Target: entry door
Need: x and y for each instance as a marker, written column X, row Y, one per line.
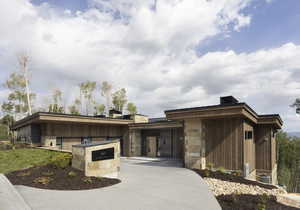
column 151, row 146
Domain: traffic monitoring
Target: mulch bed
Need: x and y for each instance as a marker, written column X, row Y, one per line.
column 54, row 178
column 231, row 178
column 250, row 202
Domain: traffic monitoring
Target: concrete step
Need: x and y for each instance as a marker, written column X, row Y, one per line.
column 10, row 199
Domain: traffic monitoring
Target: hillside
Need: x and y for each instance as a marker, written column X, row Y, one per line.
column 294, row 134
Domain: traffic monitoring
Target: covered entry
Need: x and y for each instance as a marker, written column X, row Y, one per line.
column 160, row 139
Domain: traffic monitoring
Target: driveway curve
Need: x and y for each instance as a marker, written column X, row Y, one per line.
column 147, row 184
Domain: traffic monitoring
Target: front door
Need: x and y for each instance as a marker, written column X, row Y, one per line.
column 151, row 146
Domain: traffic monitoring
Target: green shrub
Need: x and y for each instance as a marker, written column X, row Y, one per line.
column 87, row 180
column 62, row 160
column 48, row 173
column 210, row 166
column 221, row 169
column 5, row 146
column 261, row 206
column 20, row 146
column 42, row 180
column 264, row 198
column 72, row 174
column 24, row 173
column 206, row 173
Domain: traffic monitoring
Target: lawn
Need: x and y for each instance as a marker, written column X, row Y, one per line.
column 12, row 160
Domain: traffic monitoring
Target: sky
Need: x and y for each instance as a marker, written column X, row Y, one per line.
column 167, row 53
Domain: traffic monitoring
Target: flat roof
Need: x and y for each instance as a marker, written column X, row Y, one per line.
column 226, row 110
column 69, row 118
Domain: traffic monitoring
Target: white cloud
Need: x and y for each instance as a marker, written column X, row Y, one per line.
column 150, row 50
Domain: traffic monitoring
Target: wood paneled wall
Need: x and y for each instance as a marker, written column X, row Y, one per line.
column 263, row 147
column 224, row 142
column 80, row 130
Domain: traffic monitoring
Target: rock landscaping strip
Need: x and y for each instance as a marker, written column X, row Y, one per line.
column 220, row 187
column 56, row 178
column 235, row 192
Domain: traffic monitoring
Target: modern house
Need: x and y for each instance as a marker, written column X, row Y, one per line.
column 229, row 135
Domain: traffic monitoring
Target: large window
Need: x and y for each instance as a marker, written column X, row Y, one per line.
column 248, row 134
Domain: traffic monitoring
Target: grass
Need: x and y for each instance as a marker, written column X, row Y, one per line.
column 13, row 160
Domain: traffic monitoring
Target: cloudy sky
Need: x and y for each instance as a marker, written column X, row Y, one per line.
column 166, row 53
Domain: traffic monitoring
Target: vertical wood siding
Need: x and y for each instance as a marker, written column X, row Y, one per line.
column 224, row 142
column 80, row 130
column 263, row 148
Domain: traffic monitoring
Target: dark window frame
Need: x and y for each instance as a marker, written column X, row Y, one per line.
column 248, row 134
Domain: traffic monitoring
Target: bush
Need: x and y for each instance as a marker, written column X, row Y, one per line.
column 48, row 173
column 221, row 169
column 24, row 173
column 21, row 146
column 261, row 206
column 42, row 180
column 62, row 160
column 87, row 180
column 206, row 173
column 5, row 146
column 236, row 173
column 72, row 174
column 210, row 166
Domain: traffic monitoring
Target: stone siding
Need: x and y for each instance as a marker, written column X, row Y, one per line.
column 82, row 160
column 194, row 144
column 135, row 143
column 49, row 141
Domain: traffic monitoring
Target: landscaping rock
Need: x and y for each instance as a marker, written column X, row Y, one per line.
column 219, row 187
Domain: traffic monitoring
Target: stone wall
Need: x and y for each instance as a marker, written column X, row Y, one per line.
column 274, row 175
column 135, row 143
column 194, row 144
column 82, row 160
column 48, row 141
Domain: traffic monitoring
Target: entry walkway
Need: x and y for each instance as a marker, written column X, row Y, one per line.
column 147, row 184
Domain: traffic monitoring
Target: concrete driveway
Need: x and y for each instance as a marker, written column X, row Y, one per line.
column 147, row 184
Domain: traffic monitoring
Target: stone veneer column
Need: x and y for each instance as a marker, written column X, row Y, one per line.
column 135, row 142
column 194, row 144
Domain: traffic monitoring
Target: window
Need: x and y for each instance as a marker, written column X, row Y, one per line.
column 273, row 133
column 248, row 134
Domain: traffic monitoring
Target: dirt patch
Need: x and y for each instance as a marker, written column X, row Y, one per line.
column 250, row 202
column 54, row 178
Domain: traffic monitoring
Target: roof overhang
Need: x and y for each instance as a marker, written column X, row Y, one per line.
column 211, row 112
column 273, row 120
column 215, row 112
column 41, row 117
column 156, row 125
